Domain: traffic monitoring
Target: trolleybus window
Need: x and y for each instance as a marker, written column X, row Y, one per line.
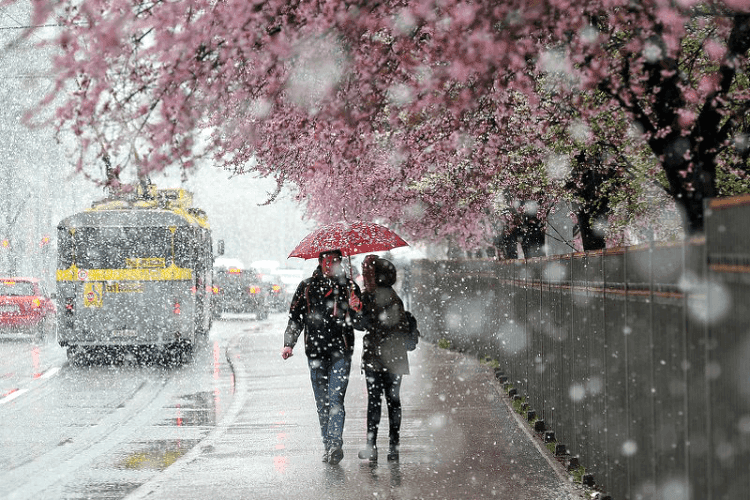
column 184, row 247
column 116, row 247
column 65, row 248
column 16, row 288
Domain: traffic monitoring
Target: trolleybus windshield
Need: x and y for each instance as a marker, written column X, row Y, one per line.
column 115, row 247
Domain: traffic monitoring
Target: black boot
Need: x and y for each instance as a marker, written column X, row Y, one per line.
column 369, row 453
column 393, row 440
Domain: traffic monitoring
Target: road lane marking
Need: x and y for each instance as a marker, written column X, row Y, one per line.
column 10, row 396
column 49, row 373
column 14, row 393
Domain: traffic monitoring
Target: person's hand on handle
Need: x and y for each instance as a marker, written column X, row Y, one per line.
column 287, row 352
column 355, row 303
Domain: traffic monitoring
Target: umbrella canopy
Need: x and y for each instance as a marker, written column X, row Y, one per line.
column 351, row 239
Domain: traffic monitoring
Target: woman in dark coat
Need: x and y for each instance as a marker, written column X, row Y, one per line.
column 384, row 356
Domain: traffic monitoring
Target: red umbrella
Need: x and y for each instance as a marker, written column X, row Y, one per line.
column 351, row 239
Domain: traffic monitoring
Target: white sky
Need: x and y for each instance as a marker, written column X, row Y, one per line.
column 250, row 232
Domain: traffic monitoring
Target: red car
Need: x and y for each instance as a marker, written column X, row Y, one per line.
column 25, row 308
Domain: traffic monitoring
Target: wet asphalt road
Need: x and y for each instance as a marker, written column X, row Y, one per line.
column 100, row 428
column 239, row 422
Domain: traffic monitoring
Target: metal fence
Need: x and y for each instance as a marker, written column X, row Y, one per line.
column 637, row 358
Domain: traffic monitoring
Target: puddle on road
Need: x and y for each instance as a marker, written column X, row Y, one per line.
column 157, row 456
column 195, row 410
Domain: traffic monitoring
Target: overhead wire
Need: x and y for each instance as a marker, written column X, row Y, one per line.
column 11, row 44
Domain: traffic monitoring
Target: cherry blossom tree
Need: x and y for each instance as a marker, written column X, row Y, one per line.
column 440, row 117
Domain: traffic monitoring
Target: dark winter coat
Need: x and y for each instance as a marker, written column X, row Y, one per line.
column 320, row 308
column 383, row 317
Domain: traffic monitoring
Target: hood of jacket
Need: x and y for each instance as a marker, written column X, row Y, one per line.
column 385, row 272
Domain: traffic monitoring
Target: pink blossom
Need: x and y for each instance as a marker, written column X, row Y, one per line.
column 708, row 84
column 714, row 50
column 691, row 96
column 686, row 118
column 738, row 5
column 463, row 14
column 438, row 105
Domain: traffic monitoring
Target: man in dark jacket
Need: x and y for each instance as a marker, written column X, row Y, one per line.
column 321, row 308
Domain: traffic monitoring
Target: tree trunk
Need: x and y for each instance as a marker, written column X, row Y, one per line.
column 594, row 199
column 507, row 243
column 690, row 161
column 591, row 238
column 532, row 238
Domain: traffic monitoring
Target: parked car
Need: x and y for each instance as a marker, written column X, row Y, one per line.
column 238, row 290
column 291, row 278
column 26, row 308
column 276, row 292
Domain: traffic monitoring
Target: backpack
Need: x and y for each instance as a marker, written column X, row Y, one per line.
column 412, row 338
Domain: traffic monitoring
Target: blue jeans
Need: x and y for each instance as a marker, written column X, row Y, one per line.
column 330, row 378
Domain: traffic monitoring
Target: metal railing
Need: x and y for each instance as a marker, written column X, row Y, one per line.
column 637, row 358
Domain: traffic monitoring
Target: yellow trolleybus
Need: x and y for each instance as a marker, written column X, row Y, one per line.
column 135, row 272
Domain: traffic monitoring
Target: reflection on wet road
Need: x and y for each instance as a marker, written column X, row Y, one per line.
column 99, row 428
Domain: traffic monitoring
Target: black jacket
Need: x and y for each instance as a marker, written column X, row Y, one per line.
column 320, row 308
column 384, row 318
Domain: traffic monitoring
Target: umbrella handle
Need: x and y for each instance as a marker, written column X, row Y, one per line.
column 351, row 275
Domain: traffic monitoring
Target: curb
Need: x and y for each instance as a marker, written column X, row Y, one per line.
column 574, row 491
column 206, row 444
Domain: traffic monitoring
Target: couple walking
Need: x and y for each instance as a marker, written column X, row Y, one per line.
column 327, row 307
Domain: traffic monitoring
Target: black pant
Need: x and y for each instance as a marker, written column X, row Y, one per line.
column 379, row 382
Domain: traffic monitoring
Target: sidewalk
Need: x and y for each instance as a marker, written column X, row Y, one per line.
column 459, row 438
